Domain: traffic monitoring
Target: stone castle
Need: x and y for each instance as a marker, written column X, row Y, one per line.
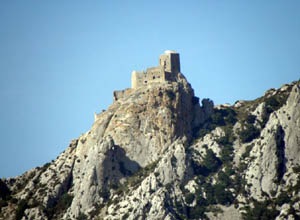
column 167, row 71
column 169, row 66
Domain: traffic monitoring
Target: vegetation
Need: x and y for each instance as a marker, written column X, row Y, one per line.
column 226, row 154
column 220, row 117
column 82, row 216
column 248, row 133
column 22, row 206
column 247, row 151
column 261, row 210
column 133, row 180
column 217, row 178
column 60, row 206
column 211, row 163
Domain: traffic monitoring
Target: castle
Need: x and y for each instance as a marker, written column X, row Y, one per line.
column 169, row 66
column 167, row 71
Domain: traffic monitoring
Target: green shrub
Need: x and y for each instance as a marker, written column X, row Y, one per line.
column 296, row 169
column 249, row 133
column 189, row 198
column 210, row 194
column 226, row 154
column 251, row 119
column 224, row 179
column 197, row 212
column 272, row 104
column 22, row 206
column 211, row 162
column 222, row 196
column 261, row 210
column 220, row 117
column 229, row 170
column 61, row 205
column 65, row 201
column 82, row 216
column 282, row 198
column 247, row 151
column 217, row 119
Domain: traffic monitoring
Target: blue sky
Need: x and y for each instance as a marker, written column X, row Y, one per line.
column 61, row 60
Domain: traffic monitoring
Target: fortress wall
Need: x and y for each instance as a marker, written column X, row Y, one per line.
column 155, row 74
column 137, row 79
column 164, row 61
column 168, row 69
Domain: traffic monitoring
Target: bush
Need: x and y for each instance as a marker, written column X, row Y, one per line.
column 251, row 119
column 210, row 194
column 261, row 210
column 229, row 171
column 272, row 104
column 211, row 162
column 249, row 133
column 247, row 151
column 65, row 201
column 22, row 206
column 217, row 119
column 282, row 198
column 189, row 198
column 222, row 196
column 62, row 204
column 226, row 154
column 82, row 216
column 197, row 212
column 224, row 179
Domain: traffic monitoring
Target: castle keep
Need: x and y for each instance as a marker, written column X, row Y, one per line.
column 169, row 66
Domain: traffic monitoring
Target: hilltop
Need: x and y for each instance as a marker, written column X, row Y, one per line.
column 159, row 153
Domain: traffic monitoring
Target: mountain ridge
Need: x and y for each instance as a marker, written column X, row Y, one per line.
column 156, row 153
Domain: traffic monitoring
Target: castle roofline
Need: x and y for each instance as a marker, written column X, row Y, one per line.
column 170, row 51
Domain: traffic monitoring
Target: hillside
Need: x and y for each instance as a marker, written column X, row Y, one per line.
column 157, row 153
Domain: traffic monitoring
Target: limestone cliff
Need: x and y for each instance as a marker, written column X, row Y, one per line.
column 156, row 153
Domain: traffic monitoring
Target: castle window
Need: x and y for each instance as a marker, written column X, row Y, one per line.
column 145, row 82
column 153, row 77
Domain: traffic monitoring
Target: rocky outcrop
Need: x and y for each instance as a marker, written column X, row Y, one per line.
column 156, row 153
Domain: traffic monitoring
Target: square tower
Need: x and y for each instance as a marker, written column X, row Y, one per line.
column 170, row 61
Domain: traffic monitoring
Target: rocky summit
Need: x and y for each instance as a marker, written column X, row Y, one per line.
column 157, row 153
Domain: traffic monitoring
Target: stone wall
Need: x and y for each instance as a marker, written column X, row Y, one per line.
column 137, row 79
column 169, row 67
column 155, row 74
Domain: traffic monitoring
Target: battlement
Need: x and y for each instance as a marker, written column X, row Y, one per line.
column 169, row 66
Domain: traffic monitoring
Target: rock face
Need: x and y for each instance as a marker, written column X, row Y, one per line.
column 156, row 153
